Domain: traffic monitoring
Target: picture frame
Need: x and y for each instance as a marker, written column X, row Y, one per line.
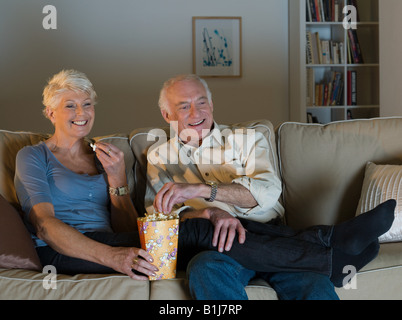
column 217, row 46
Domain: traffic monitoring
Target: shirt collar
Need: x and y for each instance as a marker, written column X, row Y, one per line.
column 214, row 138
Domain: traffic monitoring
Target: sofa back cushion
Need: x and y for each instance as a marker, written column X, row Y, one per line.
column 141, row 140
column 322, row 166
column 10, row 143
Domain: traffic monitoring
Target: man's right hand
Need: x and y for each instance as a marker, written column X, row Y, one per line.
column 226, row 227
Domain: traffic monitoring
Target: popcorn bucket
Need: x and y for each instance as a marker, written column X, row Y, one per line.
column 159, row 237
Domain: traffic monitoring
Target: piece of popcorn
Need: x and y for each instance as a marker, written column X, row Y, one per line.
column 158, row 217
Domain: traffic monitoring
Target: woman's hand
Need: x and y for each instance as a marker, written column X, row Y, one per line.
column 112, row 159
column 125, row 260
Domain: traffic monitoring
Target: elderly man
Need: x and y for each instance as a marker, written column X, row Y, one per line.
column 208, row 172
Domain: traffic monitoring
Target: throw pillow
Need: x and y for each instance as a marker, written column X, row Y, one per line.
column 17, row 249
column 381, row 183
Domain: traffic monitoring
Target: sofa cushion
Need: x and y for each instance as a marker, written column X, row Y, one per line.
column 322, row 166
column 141, row 140
column 10, row 143
column 381, row 279
column 381, row 183
column 29, row 285
column 16, row 246
column 177, row 289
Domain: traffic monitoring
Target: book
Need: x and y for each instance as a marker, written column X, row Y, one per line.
column 355, row 53
column 353, row 89
column 310, row 87
column 324, row 10
column 323, row 51
column 327, row 92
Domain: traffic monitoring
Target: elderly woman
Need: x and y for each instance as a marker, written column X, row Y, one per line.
column 65, row 197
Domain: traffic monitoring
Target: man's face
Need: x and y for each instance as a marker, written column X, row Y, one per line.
column 189, row 111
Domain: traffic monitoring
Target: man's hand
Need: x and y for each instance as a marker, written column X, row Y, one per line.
column 175, row 193
column 226, row 227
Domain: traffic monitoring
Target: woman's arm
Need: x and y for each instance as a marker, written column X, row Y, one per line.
column 70, row 242
column 123, row 213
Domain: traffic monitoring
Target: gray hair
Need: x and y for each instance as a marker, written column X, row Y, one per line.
column 66, row 80
column 163, row 103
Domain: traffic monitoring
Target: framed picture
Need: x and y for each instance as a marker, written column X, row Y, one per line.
column 217, row 46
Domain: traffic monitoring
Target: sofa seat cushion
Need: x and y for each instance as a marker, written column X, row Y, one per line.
column 389, row 257
column 177, row 289
column 380, row 279
column 20, row 284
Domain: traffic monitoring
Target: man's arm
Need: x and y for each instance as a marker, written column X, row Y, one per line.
column 173, row 193
column 225, row 224
column 253, row 192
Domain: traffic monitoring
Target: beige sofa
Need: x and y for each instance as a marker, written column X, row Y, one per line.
column 322, row 169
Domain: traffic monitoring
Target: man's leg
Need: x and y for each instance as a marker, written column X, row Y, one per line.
column 270, row 248
column 280, row 249
column 301, row 286
column 215, row 276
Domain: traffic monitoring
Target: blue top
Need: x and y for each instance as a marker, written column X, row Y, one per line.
column 79, row 200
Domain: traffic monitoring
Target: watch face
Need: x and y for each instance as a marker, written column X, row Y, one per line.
column 119, row 191
column 122, row 191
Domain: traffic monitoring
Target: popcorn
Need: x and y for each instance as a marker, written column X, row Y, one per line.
column 157, row 216
column 159, row 237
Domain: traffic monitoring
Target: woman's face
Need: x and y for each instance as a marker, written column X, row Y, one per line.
column 75, row 114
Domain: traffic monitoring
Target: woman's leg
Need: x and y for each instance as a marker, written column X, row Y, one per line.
column 68, row 265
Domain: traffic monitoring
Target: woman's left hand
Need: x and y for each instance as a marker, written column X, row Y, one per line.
column 112, row 159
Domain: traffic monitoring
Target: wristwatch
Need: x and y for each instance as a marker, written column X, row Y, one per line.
column 119, row 191
column 214, row 190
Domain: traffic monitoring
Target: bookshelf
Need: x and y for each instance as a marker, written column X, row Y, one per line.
column 329, row 79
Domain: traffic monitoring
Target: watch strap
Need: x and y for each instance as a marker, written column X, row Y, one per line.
column 214, row 190
column 118, row 191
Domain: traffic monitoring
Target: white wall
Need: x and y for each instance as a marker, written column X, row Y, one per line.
column 390, row 57
column 128, row 48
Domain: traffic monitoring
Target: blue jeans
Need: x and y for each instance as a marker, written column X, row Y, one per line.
column 216, row 276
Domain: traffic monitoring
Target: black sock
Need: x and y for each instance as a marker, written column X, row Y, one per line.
column 341, row 259
column 353, row 236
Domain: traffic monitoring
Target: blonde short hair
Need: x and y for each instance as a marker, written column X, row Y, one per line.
column 66, row 80
column 163, row 103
